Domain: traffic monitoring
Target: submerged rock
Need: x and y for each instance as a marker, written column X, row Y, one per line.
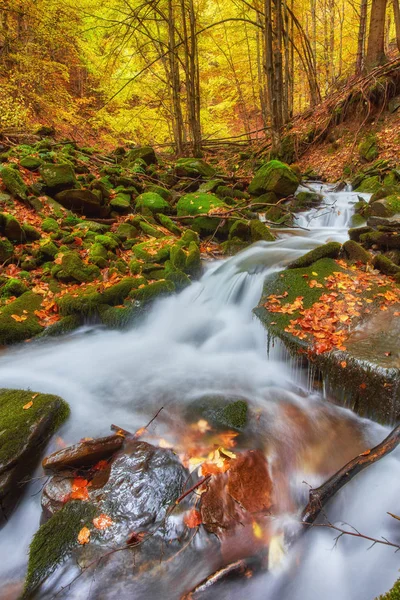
column 27, row 420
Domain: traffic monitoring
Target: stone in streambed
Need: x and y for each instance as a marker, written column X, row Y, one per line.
column 276, row 177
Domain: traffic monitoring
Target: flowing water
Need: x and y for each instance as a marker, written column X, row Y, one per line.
column 206, row 340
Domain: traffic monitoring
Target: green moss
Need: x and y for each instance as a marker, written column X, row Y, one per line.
column 58, row 177
column 156, row 250
column 369, row 185
column 193, row 167
column 168, row 224
column 98, row 255
column 329, row 250
column 393, row 203
column 385, row 265
column 223, row 191
column 121, row 203
column 47, row 249
column 356, row 253
column 54, row 542
column 88, row 301
column 135, row 267
column 12, row 331
column 198, row 203
column 220, row 411
column 62, row 327
column 306, row 200
column 13, row 287
column 10, row 228
column 178, row 257
column 126, row 231
column 107, row 241
column 13, row 182
column 153, row 290
column 368, row 148
column 276, row 177
column 16, row 423
column 150, row 230
column 156, row 189
column 233, row 246
column 259, row 232
column 240, row 229
column 73, row 268
column 294, row 282
column 153, row 202
column 144, row 153
column 193, row 261
column 50, row 225
column 32, row 163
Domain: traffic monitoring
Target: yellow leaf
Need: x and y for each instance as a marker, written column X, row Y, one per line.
column 84, row 536
column 19, row 318
column 28, row 405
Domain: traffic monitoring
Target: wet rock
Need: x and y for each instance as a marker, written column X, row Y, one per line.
column 275, row 177
column 387, row 240
column 142, row 485
column 58, row 177
column 221, row 412
column 329, row 250
column 86, row 453
column 357, row 232
column 382, row 208
column 232, row 498
column 305, row 201
column 32, row 163
column 23, row 433
column 82, row 201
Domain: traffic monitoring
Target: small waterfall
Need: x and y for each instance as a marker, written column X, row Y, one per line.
column 206, row 340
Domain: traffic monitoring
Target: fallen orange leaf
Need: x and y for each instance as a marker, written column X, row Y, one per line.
column 84, row 536
column 27, row 405
column 102, row 522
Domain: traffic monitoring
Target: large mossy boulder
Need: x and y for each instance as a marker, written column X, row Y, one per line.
column 11, row 228
column 83, row 202
column 145, row 153
column 153, row 202
column 329, row 250
column 27, row 421
column 369, row 184
column 276, row 177
column 57, row 177
column 18, row 321
column 194, row 168
column 6, row 250
column 13, row 183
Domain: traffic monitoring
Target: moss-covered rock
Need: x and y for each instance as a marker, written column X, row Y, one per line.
column 387, row 240
column 18, row 321
column 275, row 177
column 368, row 148
column 178, row 257
column 385, row 265
column 168, row 224
column 150, row 230
column 329, row 250
column 13, row 287
column 155, row 250
column 201, row 204
column 23, row 433
column 11, row 228
column 32, row 163
column 50, row 225
column 108, row 241
column 260, row 232
column 355, row 252
column 72, row 268
column 145, row 153
column 121, row 203
column 13, row 183
column 240, row 229
column 54, row 542
column 233, row 246
column 152, row 202
column 193, row 167
column 147, row 294
column 220, row 411
column 369, row 185
column 83, row 202
column 193, row 261
column 305, row 201
column 161, row 191
column 126, row 231
column 58, row 177
column 98, row 255
column 86, row 303
column 47, row 250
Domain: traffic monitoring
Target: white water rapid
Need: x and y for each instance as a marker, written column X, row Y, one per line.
column 206, row 340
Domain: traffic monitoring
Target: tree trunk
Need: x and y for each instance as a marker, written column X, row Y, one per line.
column 178, row 125
column 396, row 12
column 361, row 36
column 376, row 37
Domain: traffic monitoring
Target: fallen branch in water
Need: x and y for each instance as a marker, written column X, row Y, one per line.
column 139, row 432
column 319, row 496
column 237, row 568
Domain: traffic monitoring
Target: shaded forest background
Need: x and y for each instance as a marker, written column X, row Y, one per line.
column 183, row 72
